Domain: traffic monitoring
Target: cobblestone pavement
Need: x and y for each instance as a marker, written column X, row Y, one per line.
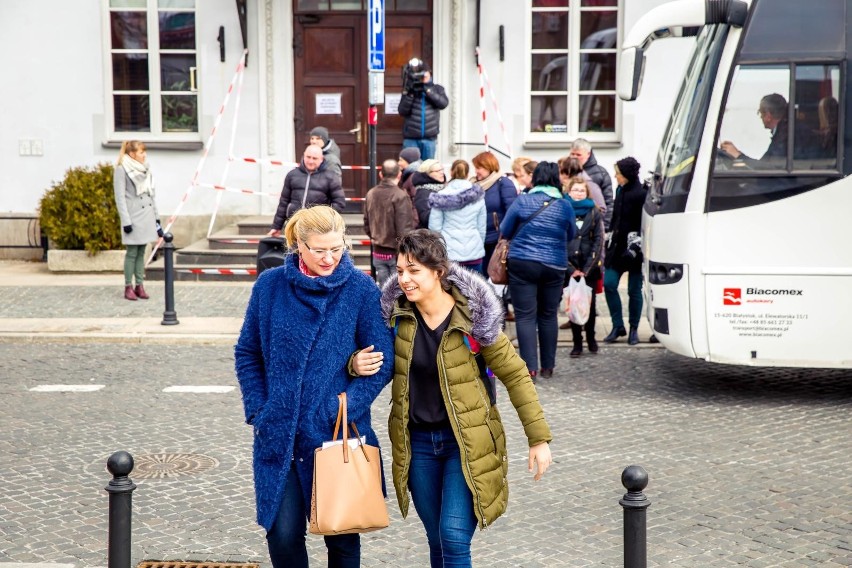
column 208, row 300
column 748, row 467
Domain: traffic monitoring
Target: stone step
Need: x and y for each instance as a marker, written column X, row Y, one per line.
column 260, row 224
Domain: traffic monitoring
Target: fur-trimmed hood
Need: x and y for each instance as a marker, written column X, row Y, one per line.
column 457, row 194
column 474, row 296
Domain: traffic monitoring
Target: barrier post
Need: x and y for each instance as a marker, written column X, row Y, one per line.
column 634, row 478
column 169, row 316
column 120, row 490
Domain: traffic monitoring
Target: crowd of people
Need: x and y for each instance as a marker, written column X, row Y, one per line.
column 433, row 327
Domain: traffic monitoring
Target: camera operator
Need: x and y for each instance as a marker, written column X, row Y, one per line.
column 421, row 104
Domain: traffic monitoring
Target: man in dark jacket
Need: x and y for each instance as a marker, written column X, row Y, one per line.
column 582, row 150
column 387, row 217
column 421, row 105
column 309, row 184
column 624, row 253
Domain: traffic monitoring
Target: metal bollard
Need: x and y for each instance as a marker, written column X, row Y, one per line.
column 120, row 490
column 635, row 479
column 169, row 316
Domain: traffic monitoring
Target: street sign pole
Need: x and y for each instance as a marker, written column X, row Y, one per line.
column 376, row 68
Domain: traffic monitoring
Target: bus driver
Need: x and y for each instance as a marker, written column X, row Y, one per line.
column 773, row 113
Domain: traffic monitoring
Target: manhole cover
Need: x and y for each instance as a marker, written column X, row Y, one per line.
column 168, row 466
column 159, row 564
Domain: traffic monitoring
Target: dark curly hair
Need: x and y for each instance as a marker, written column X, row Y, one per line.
column 427, row 248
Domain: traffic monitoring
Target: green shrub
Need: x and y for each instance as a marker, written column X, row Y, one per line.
column 79, row 213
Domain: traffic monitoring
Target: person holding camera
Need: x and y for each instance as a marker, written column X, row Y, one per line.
column 421, row 104
column 624, row 252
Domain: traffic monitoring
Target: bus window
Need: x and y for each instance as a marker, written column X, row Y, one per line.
column 755, row 128
column 769, row 105
column 817, row 92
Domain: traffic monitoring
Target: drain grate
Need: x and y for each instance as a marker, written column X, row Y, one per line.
column 168, row 466
column 160, row 564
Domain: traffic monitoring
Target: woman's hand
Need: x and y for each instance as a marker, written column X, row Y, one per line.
column 367, row 362
column 540, row 456
column 128, row 229
column 578, row 274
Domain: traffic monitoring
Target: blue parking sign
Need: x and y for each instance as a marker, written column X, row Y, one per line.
column 376, row 35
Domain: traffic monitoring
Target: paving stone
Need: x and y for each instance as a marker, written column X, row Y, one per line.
column 748, row 467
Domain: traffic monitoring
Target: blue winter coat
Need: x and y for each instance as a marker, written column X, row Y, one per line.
column 545, row 238
column 292, row 358
column 498, row 198
column 458, row 213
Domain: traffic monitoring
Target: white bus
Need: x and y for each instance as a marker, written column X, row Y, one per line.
column 747, row 227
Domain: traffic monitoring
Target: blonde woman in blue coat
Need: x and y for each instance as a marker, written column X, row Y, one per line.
column 313, row 329
column 459, row 215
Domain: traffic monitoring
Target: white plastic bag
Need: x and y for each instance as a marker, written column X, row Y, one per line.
column 578, row 301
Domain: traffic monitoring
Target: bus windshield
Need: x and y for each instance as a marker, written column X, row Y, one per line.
column 676, row 159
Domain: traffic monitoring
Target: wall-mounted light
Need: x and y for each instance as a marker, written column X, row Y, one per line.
column 221, row 39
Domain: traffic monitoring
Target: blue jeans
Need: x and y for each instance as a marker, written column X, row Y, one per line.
column 441, row 497
column 613, row 300
column 427, row 146
column 536, row 291
column 286, row 540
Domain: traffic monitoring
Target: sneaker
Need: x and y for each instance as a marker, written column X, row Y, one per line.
column 546, row 373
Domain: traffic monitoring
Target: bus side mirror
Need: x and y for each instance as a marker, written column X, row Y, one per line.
column 630, row 71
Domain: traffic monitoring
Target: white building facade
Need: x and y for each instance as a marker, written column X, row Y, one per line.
column 83, row 76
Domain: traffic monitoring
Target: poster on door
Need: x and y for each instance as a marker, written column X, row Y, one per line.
column 328, row 103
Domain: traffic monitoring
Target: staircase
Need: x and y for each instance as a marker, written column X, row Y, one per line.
column 230, row 254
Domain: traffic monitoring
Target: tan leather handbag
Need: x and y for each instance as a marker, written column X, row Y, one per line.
column 347, row 489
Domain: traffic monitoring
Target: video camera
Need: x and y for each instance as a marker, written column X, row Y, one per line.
column 412, row 75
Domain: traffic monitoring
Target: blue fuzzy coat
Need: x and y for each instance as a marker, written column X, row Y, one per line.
column 292, row 361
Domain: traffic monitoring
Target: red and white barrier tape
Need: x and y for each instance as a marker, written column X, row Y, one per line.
column 246, row 191
column 194, row 181
column 482, row 100
column 220, row 271
column 496, row 108
column 279, row 163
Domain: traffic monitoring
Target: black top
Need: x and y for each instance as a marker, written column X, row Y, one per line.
column 426, row 409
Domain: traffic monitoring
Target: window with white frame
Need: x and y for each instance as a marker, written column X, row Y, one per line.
column 152, row 80
column 572, row 60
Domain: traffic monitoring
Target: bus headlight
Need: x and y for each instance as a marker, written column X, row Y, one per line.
column 664, row 273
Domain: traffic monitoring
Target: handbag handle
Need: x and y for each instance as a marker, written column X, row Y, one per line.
column 341, row 414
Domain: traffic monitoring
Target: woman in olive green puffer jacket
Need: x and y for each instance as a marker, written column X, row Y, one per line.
column 446, row 434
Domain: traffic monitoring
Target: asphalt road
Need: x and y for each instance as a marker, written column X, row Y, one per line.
column 748, row 467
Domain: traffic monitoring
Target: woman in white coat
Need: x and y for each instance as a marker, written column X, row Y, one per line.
column 458, row 214
column 140, row 222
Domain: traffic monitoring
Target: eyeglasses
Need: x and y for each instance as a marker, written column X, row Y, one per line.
column 761, row 111
column 319, row 254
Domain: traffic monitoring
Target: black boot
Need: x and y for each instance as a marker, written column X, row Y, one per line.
column 590, row 329
column 577, row 333
column 633, row 338
column 615, row 334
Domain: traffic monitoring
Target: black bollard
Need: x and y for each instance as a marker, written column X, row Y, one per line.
column 169, row 316
column 120, row 490
column 635, row 479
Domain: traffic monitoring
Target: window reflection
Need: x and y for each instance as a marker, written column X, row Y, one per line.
column 130, row 71
column 129, row 30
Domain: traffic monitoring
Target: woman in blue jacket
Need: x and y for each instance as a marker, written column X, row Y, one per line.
column 540, row 225
column 313, row 329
